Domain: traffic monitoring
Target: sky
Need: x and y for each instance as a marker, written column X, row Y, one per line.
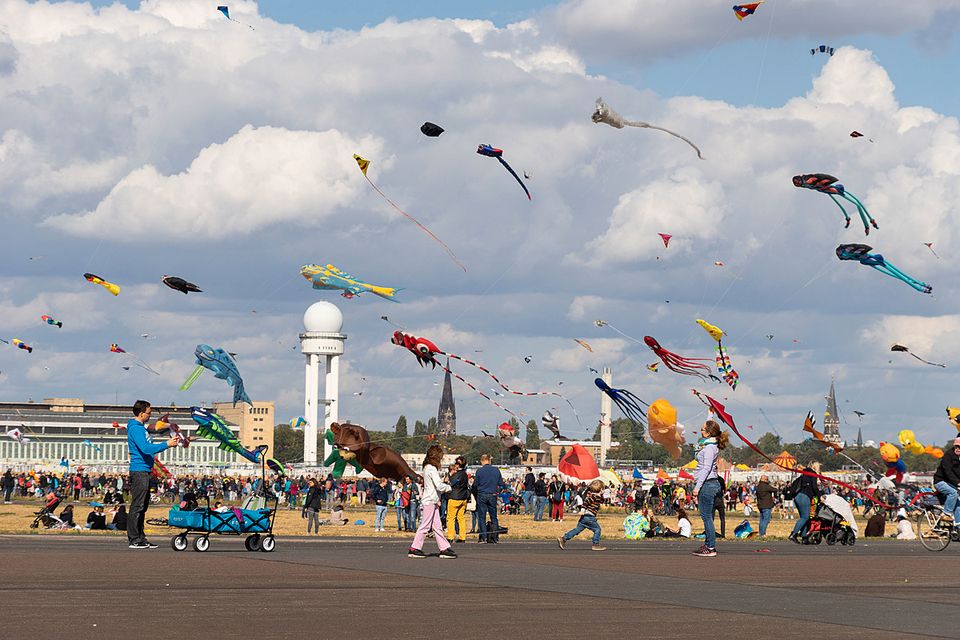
column 152, row 138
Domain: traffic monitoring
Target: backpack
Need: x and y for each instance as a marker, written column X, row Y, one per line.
column 792, row 490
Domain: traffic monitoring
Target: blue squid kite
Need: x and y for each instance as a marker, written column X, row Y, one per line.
column 861, row 253
column 827, row 184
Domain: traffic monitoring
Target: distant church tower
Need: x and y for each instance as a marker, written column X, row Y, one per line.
column 447, row 413
column 831, row 418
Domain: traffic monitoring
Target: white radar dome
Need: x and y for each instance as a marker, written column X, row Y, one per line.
column 323, row 317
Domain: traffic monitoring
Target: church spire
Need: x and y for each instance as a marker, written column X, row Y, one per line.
column 447, row 413
column 831, row 418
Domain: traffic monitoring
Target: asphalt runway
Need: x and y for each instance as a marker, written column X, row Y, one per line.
column 81, row 587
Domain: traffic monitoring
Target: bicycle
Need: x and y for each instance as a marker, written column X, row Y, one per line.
column 933, row 532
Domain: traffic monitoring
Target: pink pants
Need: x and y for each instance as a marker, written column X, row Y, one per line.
column 430, row 520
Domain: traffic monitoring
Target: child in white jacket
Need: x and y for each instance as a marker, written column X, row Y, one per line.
column 433, row 487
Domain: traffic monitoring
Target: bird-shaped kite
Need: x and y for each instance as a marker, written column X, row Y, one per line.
column 493, row 152
column 20, row 344
column 808, row 424
column 584, row 344
column 332, row 278
column 551, row 422
column 680, row 364
column 212, row 427
column 861, row 253
column 909, row 442
column 605, row 114
column 52, row 321
column 824, row 183
column 115, row 348
column 730, row 376
column 109, row 286
column 903, row 349
column 222, row 365
column 364, row 164
column 179, row 284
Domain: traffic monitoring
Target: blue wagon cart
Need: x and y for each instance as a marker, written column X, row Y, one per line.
column 256, row 524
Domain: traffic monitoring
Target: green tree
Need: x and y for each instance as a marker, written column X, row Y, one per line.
column 288, row 443
column 770, row 444
column 533, row 435
column 432, row 426
column 400, row 430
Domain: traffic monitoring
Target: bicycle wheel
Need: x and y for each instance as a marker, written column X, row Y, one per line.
column 933, row 535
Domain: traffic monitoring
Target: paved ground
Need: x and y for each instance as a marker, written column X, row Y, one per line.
column 97, row 588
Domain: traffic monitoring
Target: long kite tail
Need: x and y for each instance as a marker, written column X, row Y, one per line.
column 516, row 177
column 192, row 378
column 812, row 474
column 647, row 125
column 862, row 210
column 629, row 404
column 508, row 389
column 890, row 270
column 935, row 364
column 460, row 378
column 393, row 204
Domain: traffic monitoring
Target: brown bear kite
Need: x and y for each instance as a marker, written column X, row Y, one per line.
column 353, row 442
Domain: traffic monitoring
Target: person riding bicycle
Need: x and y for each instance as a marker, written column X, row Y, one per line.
column 946, row 481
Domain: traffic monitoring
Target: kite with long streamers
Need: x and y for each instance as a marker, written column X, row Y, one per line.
column 605, row 114
column 628, row 403
column 680, row 364
column 364, row 164
column 52, row 321
column 109, row 286
column 426, row 352
column 720, row 412
column 861, row 253
column 332, row 278
column 212, row 427
column 744, row 10
column 902, row 349
column 808, row 426
column 115, row 348
column 222, row 365
column 825, row 183
column 493, row 152
column 225, row 10
column 730, row 376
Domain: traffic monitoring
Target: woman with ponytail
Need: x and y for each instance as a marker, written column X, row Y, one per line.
column 707, row 488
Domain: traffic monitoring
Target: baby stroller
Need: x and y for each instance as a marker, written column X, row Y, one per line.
column 45, row 515
column 833, row 522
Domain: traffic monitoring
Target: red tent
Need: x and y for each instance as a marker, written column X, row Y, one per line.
column 578, row 465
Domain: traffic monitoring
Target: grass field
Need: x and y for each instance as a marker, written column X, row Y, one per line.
column 16, row 518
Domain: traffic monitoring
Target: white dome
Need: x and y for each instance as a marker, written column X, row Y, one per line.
column 324, row 317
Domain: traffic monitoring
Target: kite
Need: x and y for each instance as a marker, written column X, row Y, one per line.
column 730, row 376
column 744, row 10
column 583, row 344
column 337, row 461
column 431, row 130
column 115, row 348
column 604, row 323
column 52, row 321
column 364, row 164
column 627, row 402
column 159, row 471
column 298, row 423
column 225, row 10
column 664, row 429
column 179, row 284
column 929, row 245
column 861, row 253
column 552, row 424
column 822, row 49
column 493, row 152
column 578, row 466
column 903, row 349
column 895, row 466
column 332, row 278
column 109, row 286
column 212, row 427
column 808, row 425
column 353, row 443
column 605, row 114
column 953, row 415
column 508, row 438
column 718, row 264
column 528, row 359
column 909, row 442
column 426, row 352
column 164, row 425
column 824, row 183
column 222, row 365
column 653, row 367
column 97, row 448
column 859, row 415
column 20, row 344
column 856, row 134
column 16, row 434
column 666, row 239
column 277, row 467
column 679, row 364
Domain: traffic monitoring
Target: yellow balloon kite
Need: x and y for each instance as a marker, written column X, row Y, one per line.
column 663, row 427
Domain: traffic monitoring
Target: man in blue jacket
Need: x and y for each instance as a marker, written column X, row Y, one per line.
column 142, row 450
column 486, row 486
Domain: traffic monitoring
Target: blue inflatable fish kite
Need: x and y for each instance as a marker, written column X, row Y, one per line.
column 222, row 365
column 212, row 427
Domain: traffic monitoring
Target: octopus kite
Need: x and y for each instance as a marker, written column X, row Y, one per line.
column 626, row 401
column 426, row 352
column 827, row 184
column 605, row 114
column 861, row 253
column 493, row 152
column 679, row 364
column 730, row 376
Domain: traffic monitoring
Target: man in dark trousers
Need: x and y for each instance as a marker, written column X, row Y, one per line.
column 765, row 493
column 528, row 491
column 142, row 450
column 486, row 486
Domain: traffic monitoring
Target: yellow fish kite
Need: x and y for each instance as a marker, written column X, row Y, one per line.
column 330, row 277
column 109, row 286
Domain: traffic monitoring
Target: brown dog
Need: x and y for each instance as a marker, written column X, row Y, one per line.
column 353, row 441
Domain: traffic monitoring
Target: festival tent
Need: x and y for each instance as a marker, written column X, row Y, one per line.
column 578, row 465
column 741, row 467
column 785, row 460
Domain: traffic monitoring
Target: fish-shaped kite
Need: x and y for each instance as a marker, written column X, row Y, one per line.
column 179, row 284
column 20, row 344
column 212, row 427
column 222, row 365
column 492, row 152
column 605, row 114
column 364, row 164
column 109, row 286
column 332, row 278
column 52, row 321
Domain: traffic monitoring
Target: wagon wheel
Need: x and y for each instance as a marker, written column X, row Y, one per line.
column 268, row 544
column 179, row 542
column 201, row 543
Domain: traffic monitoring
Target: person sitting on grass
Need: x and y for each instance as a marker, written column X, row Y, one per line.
column 684, row 528
column 66, row 516
column 591, row 506
column 96, row 519
column 337, row 517
column 119, row 521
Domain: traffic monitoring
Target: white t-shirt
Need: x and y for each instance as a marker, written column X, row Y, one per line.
column 905, row 530
column 686, row 530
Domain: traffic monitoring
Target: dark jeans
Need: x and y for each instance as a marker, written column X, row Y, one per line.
column 709, row 493
column 586, row 521
column 718, row 508
column 139, row 498
column 7, row 493
column 802, row 502
column 487, row 504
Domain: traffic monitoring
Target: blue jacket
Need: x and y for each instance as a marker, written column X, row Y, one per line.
column 488, row 480
column 142, row 449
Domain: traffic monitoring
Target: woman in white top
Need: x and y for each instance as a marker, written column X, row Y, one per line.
column 433, row 486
